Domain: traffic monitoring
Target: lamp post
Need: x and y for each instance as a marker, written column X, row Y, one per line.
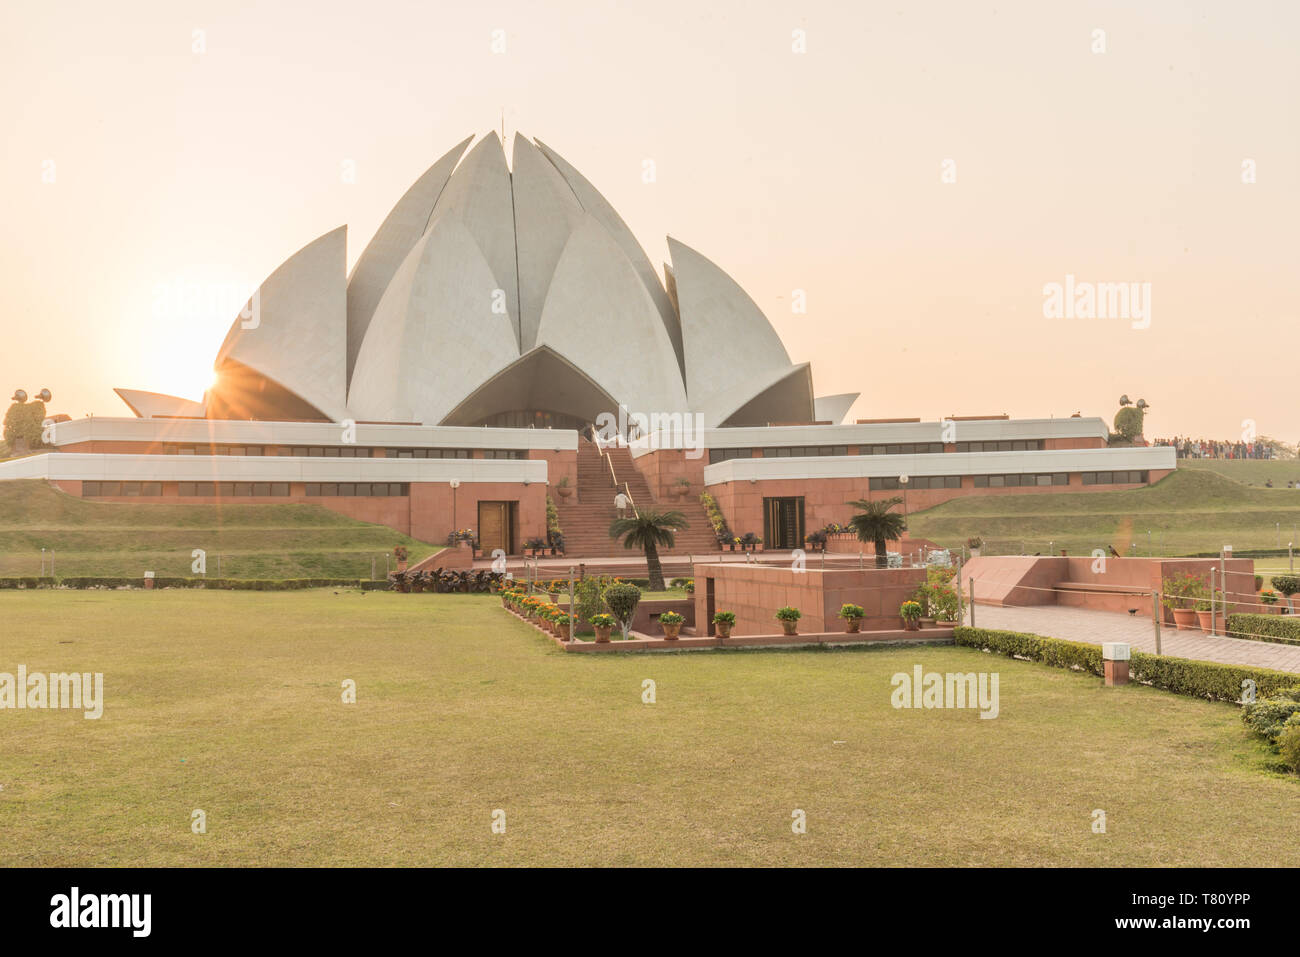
column 903, row 480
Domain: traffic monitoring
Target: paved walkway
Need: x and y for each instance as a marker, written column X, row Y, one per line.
column 1095, row 627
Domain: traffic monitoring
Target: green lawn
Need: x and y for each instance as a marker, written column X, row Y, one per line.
column 230, row 703
column 1189, row 511
column 1249, row 471
column 241, row 541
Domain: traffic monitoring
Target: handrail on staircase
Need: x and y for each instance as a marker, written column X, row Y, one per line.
column 613, row 476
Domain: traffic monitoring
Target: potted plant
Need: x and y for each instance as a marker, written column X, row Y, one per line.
column 535, row 546
column 975, row 544
column 852, row 615
column 563, row 626
column 400, row 554
column 1268, row 597
column 789, row 618
column 563, row 488
column 681, row 487
column 723, row 622
column 671, row 622
column 816, row 541
column 910, row 612
column 1204, row 614
column 602, row 624
column 1180, row 595
column 749, row 541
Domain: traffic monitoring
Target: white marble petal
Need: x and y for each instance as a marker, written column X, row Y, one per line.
column 401, row 229
column 434, row 338
column 599, row 315
column 296, row 331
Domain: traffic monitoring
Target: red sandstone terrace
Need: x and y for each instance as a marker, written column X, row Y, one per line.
column 427, row 481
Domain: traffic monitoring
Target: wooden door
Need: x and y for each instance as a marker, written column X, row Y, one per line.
column 494, row 526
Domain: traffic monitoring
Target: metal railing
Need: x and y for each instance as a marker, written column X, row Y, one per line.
column 613, row 475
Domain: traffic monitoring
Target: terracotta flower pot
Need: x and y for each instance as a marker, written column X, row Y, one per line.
column 564, row 491
column 1184, row 618
column 1205, row 619
column 671, row 631
column 602, row 634
column 852, row 626
column 723, row 628
column 927, row 622
column 790, row 627
column 563, row 632
column 911, row 624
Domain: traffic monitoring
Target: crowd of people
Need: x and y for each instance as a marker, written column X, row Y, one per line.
column 1213, row 449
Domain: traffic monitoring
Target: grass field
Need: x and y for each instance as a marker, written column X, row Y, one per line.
column 230, row 703
column 1249, row 471
column 1189, row 511
column 250, row 541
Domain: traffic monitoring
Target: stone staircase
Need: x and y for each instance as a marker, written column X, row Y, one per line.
column 585, row 516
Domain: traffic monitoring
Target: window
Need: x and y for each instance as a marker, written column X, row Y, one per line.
column 723, row 455
column 1013, row 445
column 903, row 448
column 804, row 451
column 89, row 489
column 503, row 453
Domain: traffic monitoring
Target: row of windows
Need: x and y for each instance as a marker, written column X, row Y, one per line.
column 358, row 488
column 89, row 489
column 1020, row 481
column 886, row 483
column 242, row 489
column 796, row 451
column 1114, row 478
column 232, row 489
column 301, row 451
column 722, row 455
column 1018, row 445
column 900, row 448
column 1017, row 480
column 337, row 451
column 427, row 453
column 905, row 448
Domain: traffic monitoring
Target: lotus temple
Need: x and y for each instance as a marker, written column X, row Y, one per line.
column 464, row 374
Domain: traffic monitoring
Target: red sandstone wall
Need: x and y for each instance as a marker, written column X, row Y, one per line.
column 427, row 514
column 826, row 499
column 663, row 467
column 755, row 592
column 558, row 465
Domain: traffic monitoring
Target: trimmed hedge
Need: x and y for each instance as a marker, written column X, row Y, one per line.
column 1197, row 679
column 1018, row 644
column 230, row 584
column 1280, row 629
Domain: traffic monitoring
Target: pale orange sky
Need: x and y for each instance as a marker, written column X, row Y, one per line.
column 817, row 171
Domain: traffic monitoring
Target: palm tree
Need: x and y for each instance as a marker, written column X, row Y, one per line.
column 875, row 523
column 648, row 531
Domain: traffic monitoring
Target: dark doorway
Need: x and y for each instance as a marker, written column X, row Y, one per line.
column 783, row 522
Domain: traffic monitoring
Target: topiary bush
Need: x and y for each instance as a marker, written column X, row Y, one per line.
column 622, row 600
